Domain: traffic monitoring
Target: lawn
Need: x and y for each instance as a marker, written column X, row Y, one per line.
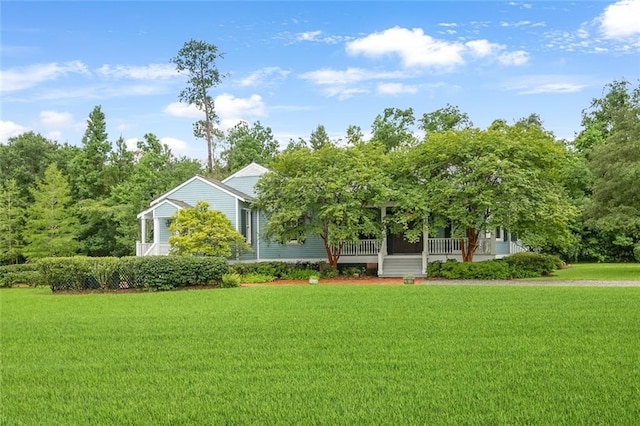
column 323, row 355
column 597, row 271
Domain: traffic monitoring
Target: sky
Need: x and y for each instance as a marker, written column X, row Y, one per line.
column 295, row 65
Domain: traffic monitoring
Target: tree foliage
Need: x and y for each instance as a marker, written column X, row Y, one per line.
column 249, row 144
column 615, row 163
column 448, row 118
column 330, row 193
column 477, row 180
column 11, row 222
column 200, row 231
column 393, row 129
column 89, row 167
column 51, row 228
column 198, row 59
column 319, row 137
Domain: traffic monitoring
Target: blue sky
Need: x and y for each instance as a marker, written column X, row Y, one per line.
column 294, row 65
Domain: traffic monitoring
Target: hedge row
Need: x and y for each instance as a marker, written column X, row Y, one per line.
column 284, row 270
column 25, row 274
column 149, row 272
column 520, row 265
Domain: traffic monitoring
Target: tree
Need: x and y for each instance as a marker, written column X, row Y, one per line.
column 50, row 227
column 249, row 144
column 475, row 180
column 597, row 120
column 319, row 138
column 443, row 119
column 615, row 163
column 89, row 167
column 330, row 193
column 392, row 129
column 156, row 171
column 11, row 222
column 198, row 59
column 25, row 158
column 200, row 231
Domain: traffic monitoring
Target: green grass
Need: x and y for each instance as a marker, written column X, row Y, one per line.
column 597, row 271
column 323, row 355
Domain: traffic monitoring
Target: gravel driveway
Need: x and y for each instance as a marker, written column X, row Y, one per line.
column 584, row 283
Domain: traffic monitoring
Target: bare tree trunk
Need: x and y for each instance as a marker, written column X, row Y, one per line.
column 472, row 243
column 209, row 142
column 332, row 257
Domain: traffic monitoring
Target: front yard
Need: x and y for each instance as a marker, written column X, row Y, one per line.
column 322, row 354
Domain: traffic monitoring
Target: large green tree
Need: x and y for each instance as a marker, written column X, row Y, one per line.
column 198, row 60
column 51, row 227
column 89, row 167
column 447, row 118
column 156, row 171
column 11, row 222
column 247, row 144
column 200, row 231
column 319, row 137
column 476, row 180
column 330, row 193
column 393, row 129
column 615, row 163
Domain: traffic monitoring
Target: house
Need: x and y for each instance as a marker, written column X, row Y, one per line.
column 233, row 196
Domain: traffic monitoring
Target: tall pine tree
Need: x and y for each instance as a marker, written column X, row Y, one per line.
column 11, row 222
column 51, row 227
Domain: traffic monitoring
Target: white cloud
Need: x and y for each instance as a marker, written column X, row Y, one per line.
column 232, row 110
column 21, row 78
column 132, row 144
column 179, row 109
column 56, row 119
column 396, row 89
column 482, row 48
column 54, row 135
column 264, row 75
column 320, row 37
column 415, row 48
column 177, row 146
column 9, row 129
column 145, row 72
column 447, row 24
column 229, row 108
column 538, row 84
column 621, row 19
column 554, row 88
column 342, row 92
column 519, row 57
column 328, row 76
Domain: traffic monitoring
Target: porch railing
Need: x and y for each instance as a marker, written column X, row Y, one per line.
column 515, row 247
column 152, row 249
column 361, row 248
column 454, row 245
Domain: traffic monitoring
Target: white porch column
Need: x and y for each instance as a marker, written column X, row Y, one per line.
column 143, row 230
column 156, row 235
column 425, row 245
column 383, row 247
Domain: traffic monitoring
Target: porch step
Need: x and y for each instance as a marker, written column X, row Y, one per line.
column 398, row 266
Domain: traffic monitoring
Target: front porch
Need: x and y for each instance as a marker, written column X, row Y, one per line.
column 397, row 257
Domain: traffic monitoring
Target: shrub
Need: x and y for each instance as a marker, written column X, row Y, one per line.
column 25, row 273
column 230, row 280
column 529, row 263
column 487, row 270
column 257, row 278
column 352, row 271
column 151, row 273
column 300, row 274
column 434, row 268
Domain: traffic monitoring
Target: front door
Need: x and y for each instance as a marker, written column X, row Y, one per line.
column 397, row 244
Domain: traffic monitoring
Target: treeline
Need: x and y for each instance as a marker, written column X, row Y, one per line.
column 61, row 199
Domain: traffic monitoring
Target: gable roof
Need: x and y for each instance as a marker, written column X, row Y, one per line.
column 213, row 183
column 175, row 203
column 253, row 169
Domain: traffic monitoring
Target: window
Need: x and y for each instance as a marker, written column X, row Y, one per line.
column 245, row 225
column 499, row 234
